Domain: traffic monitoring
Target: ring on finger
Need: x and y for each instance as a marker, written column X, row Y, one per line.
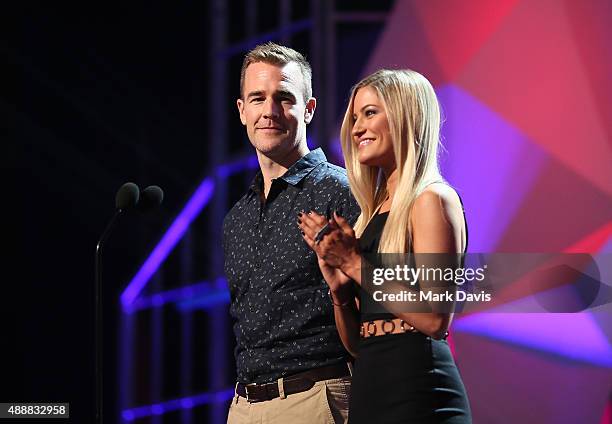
column 321, row 233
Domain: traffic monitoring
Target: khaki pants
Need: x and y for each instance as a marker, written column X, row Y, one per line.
column 325, row 403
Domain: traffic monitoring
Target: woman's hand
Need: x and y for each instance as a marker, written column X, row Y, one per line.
column 337, row 245
column 335, row 278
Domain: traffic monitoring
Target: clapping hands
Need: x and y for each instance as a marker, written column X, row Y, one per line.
column 334, row 243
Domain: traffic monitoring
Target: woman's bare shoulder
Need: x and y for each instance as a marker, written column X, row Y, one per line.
column 437, row 218
column 437, row 197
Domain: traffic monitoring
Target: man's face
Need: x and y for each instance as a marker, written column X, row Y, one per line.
column 273, row 108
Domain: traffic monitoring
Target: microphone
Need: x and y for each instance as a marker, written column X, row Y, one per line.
column 150, row 198
column 127, row 198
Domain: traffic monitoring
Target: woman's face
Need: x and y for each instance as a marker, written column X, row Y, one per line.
column 371, row 133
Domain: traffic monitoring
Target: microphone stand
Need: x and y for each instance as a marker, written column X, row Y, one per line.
column 99, row 336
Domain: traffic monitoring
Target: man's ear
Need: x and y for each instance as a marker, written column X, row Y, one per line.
column 311, row 105
column 240, row 104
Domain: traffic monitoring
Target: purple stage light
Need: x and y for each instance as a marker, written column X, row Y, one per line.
column 194, row 206
column 205, row 300
column 490, row 162
column 176, row 404
column 199, row 199
column 575, row 336
column 194, row 291
column 228, row 169
column 607, row 248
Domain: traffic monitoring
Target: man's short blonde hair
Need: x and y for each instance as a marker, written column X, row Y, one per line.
column 275, row 54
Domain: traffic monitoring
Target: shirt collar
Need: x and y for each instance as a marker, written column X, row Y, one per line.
column 296, row 172
column 302, row 167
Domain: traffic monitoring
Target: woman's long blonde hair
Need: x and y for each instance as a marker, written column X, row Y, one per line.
column 413, row 114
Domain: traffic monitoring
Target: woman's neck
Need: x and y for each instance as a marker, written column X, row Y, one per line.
column 391, row 180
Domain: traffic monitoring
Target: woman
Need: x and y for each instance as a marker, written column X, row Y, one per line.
column 404, row 371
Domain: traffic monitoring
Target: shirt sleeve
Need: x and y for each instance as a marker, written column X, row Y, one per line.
column 346, row 206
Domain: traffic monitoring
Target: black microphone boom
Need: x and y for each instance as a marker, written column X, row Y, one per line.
column 127, row 198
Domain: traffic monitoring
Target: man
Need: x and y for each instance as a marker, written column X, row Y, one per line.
column 291, row 365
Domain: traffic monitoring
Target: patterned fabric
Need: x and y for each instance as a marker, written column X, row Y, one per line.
column 283, row 318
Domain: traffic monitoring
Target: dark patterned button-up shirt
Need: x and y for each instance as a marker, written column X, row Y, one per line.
column 283, row 317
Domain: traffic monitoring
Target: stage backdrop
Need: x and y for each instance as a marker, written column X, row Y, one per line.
column 526, row 93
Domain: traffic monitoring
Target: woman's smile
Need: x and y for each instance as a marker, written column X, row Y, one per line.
column 365, row 142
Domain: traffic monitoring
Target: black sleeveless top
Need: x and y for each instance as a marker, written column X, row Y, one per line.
column 368, row 243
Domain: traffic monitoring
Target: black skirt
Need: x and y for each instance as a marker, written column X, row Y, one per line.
column 407, row 378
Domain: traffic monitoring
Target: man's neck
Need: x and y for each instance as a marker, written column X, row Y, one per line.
column 275, row 167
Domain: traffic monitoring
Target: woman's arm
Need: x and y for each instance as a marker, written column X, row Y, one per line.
column 438, row 227
column 346, row 315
